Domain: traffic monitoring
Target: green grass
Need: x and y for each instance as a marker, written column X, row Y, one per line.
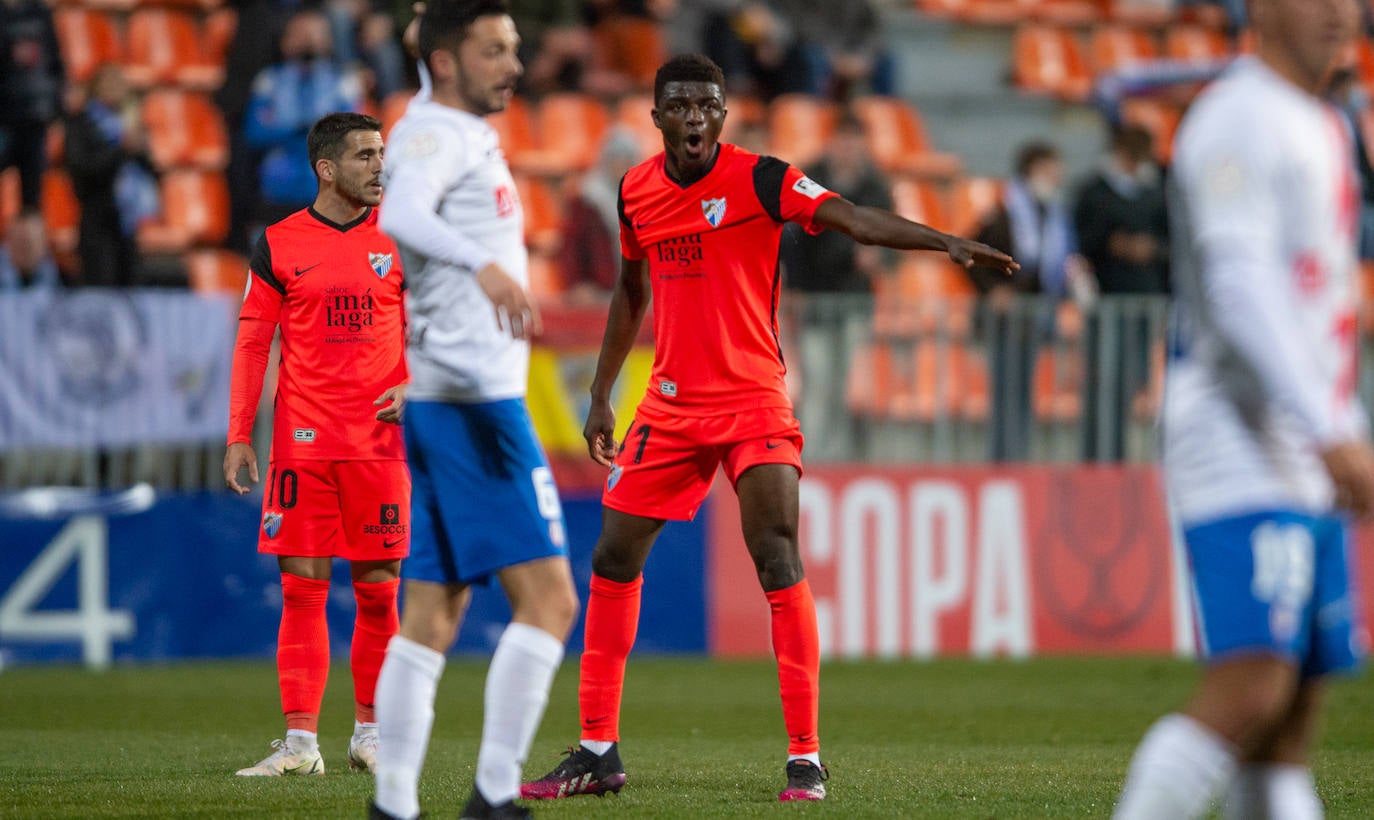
column 1044, row 738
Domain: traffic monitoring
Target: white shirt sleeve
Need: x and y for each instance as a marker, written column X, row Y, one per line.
column 429, row 160
column 1234, row 194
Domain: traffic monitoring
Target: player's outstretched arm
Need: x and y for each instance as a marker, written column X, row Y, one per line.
column 629, row 303
column 875, row 226
column 239, row 455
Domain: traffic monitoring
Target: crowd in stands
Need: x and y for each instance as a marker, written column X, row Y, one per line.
column 149, row 142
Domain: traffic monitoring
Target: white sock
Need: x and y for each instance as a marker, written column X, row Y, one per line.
column 813, row 757
column 517, row 691
column 1177, row 770
column 405, row 715
column 302, row 740
column 599, row 747
column 1276, row 791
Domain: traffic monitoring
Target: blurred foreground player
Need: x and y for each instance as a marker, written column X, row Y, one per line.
column 700, row 229
column 337, row 485
column 485, row 507
column 1265, row 444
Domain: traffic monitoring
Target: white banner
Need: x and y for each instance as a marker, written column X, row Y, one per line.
column 112, row 368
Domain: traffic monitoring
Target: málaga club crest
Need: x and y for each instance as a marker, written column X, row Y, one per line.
column 714, row 209
column 381, row 264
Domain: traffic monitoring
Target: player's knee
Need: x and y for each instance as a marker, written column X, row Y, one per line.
column 616, row 563
column 777, row 561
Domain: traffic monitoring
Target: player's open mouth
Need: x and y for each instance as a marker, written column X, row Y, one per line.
column 694, row 145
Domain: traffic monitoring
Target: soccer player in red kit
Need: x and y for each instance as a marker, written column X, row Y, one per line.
column 337, row 484
column 700, row 229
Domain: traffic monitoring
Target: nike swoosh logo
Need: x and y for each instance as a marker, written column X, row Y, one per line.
column 300, row 271
column 773, row 445
column 386, row 545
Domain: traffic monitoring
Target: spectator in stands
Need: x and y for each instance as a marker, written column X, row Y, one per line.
column 759, row 47
column 25, row 261
column 112, row 176
column 32, row 82
column 629, row 43
column 1347, row 93
column 364, row 34
column 844, row 45
column 555, row 44
column 1032, row 224
column 589, row 257
column 287, row 98
column 822, row 266
column 1123, row 230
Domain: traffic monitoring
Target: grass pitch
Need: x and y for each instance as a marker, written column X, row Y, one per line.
column 1042, row 738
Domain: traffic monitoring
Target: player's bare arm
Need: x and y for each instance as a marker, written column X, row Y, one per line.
column 239, row 455
column 875, row 226
column 629, row 303
column 515, row 313
column 1351, row 467
column 395, row 400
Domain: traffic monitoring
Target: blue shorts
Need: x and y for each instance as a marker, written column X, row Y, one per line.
column 482, row 494
column 1277, row 582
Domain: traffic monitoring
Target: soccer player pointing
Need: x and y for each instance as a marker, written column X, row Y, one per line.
column 337, row 485
column 700, row 229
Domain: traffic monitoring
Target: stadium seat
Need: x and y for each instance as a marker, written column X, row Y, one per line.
column 925, row 296
column 10, row 199
column 1115, row 47
column 184, row 128
column 798, row 127
column 546, row 282
column 195, row 211
column 919, row 202
column 1065, row 12
column 632, row 113
column 1363, row 60
column 570, row 129
column 393, row 107
column 219, row 28
column 1195, row 43
column 978, row 12
column 1142, row 14
column 630, row 45
column 164, row 47
column 62, row 214
column 543, row 213
column 87, row 39
column 1367, row 296
column 1159, row 118
column 213, row 270
column 515, row 129
column 1049, row 60
column 897, row 138
column 970, row 201
column 1056, row 386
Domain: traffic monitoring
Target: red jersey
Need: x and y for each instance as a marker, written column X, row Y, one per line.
column 712, row 248
column 337, row 293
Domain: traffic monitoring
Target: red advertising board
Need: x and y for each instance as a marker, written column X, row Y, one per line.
column 980, row 561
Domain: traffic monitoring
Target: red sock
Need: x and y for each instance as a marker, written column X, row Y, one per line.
column 612, row 621
column 377, row 621
column 303, row 650
column 797, row 644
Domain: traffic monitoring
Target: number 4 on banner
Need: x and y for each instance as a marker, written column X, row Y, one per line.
column 85, row 540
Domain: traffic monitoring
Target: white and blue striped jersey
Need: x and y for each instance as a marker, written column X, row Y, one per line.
column 1263, row 369
column 451, row 206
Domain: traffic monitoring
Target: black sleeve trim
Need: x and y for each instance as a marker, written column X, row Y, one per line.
column 769, row 173
column 620, row 203
column 261, row 265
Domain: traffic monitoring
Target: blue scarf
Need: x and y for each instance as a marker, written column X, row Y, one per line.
column 1040, row 244
column 135, row 189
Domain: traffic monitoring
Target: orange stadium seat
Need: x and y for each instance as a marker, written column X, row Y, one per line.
column 1115, row 47
column 87, row 39
column 108, row 5
column 219, row 28
column 543, row 213
column 971, row 200
column 1055, row 386
column 919, row 202
column 164, row 47
column 393, row 107
column 1363, row 60
column 212, row 270
column 570, row 128
column 633, row 114
column 1159, row 118
column 546, row 281
column 1065, row 12
column 798, row 127
column 926, row 295
column 515, row 130
column 630, row 45
column 1367, row 296
column 897, row 138
column 1141, row 14
column 184, row 128
column 195, row 211
column 1197, row 43
column 62, row 214
column 1049, row 60
column 981, row 12
column 10, row 199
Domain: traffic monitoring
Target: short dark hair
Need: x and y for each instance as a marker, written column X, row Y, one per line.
column 329, row 133
column 444, row 23
column 1134, row 141
column 688, row 68
column 1032, row 154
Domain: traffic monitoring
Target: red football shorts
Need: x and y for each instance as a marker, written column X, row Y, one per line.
column 666, row 463
column 357, row 510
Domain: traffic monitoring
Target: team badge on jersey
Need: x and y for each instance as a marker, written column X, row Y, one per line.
column 381, row 264
column 714, row 209
column 271, row 524
column 614, row 478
